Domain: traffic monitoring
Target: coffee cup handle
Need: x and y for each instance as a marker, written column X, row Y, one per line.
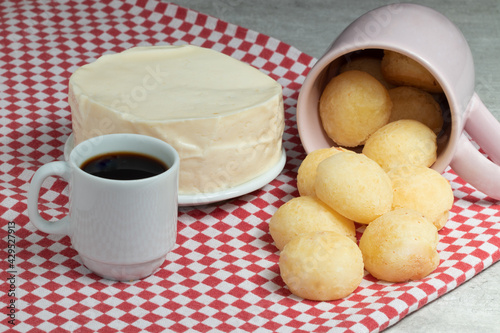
column 61, row 169
column 468, row 162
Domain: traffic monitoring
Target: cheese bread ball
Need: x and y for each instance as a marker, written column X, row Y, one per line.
column 371, row 65
column 405, row 141
column 307, row 170
column 321, row 266
column 353, row 105
column 355, row 186
column 424, row 190
column 414, row 103
column 402, row 70
column 306, row 214
column 400, row 246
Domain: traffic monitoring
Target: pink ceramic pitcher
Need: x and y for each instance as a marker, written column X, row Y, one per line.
column 435, row 42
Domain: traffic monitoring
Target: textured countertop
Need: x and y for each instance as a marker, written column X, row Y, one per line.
column 311, row 26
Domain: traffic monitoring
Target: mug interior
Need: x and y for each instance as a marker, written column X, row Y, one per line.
column 311, row 131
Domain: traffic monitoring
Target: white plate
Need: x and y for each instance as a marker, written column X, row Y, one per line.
column 208, row 198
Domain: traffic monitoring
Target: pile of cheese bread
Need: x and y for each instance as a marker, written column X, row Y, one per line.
column 387, row 109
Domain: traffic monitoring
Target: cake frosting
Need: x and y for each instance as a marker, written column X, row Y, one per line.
column 224, row 117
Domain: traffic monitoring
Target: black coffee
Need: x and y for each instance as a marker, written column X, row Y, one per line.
column 124, row 166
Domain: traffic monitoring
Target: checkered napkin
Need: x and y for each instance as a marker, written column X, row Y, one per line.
column 223, row 274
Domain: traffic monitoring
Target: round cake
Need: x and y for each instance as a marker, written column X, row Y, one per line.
column 224, row 117
column 352, row 106
column 306, row 175
column 400, row 246
column 354, row 186
column 307, row 214
column 321, row 266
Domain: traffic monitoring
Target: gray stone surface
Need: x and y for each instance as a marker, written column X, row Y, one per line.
column 311, row 26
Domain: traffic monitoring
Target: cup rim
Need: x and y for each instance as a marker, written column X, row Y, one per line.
column 77, row 157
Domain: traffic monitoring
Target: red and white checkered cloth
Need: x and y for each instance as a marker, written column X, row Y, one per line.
column 223, row 274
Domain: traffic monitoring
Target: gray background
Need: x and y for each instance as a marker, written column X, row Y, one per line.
column 311, row 26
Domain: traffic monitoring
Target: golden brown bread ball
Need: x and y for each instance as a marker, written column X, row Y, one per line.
column 352, row 106
column 400, row 246
column 402, row 70
column 355, row 186
column 402, row 142
column 371, row 65
column 424, row 190
column 413, row 103
column 307, row 170
column 321, row 266
column 306, row 214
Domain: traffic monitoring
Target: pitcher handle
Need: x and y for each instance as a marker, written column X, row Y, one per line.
column 468, row 162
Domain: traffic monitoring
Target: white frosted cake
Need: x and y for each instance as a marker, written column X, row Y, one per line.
column 225, row 118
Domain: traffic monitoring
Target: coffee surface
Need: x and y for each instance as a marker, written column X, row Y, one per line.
column 124, row 166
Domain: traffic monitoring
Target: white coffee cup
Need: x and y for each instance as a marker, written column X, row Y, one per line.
column 121, row 229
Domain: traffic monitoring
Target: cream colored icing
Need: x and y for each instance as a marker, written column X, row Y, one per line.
column 224, row 117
